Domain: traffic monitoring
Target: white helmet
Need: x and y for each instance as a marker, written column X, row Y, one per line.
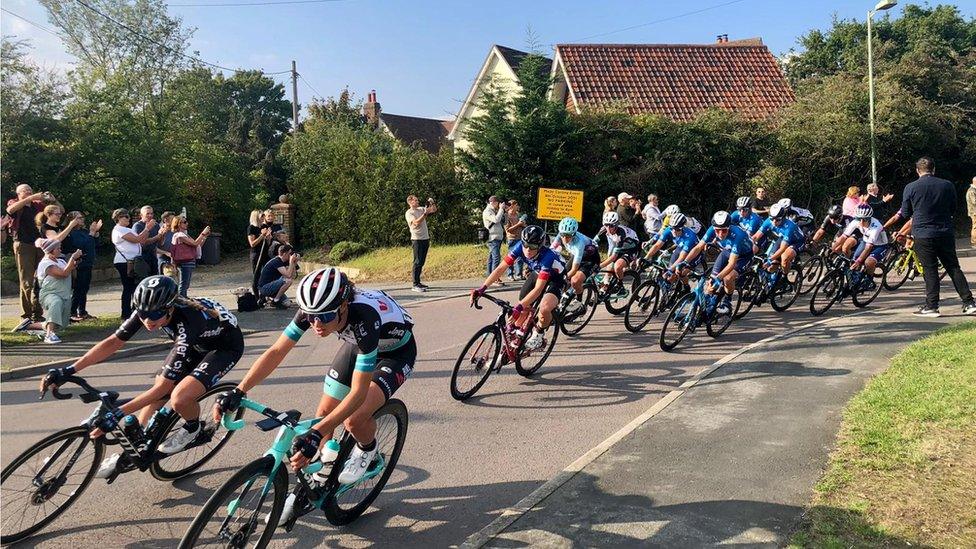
column 323, row 290
column 611, row 218
column 785, row 203
column 672, row 209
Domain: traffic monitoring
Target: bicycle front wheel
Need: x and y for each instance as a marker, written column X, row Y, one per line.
column 810, row 273
column 787, row 289
column 573, row 324
column 345, row 503
column 679, row 321
column 528, row 362
column 642, row 307
column 244, row 511
column 868, row 290
column 44, row 481
column 180, row 464
column 619, row 297
column 748, row 286
column 477, row 359
column 827, row 292
column 899, row 269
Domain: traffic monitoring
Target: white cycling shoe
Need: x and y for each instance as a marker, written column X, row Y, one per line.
column 356, row 465
column 180, row 440
column 535, row 341
column 574, row 306
column 108, row 466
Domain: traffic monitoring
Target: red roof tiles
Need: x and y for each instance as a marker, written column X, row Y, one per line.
column 674, row 80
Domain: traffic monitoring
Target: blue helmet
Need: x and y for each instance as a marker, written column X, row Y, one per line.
column 568, row 226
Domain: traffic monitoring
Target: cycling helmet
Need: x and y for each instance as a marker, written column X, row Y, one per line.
column 611, row 218
column 786, row 203
column 835, row 211
column 568, row 226
column 721, row 220
column 778, row 211
column 671, row 210
column 743, row 202
column 678, row 220
column 154, row 293
column 533, row 235
column 864, row 211
column 323, row 290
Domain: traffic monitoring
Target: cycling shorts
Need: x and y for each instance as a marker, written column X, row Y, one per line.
column 627, row 255
column 205, row 366
column 392, row 369
column 878, row 252
column 723, row 260
column 554, row 286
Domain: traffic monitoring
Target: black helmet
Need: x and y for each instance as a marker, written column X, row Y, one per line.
column 154, row 293
column 835, row 211
column 533, row 235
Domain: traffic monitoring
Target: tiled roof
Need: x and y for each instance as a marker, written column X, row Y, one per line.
column 675, row 80
column 430, row 133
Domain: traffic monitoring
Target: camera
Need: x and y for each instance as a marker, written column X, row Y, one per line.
column 430, row 201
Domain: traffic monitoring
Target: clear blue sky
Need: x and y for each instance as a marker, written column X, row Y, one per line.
column 422, row 55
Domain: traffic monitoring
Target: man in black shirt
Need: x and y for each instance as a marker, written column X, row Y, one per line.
column 23, row 209
column 930, row 203
column 277, row 276
column 760, row 204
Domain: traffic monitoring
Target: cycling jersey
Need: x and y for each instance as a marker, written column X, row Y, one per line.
column 547, row 262
column 375, row 324
column 749, row 224
column 873, row 234
column 737, row 241
column 836, row 225
column 787, row 231
column 624, row 242
column 684, row 239
column 581, row 248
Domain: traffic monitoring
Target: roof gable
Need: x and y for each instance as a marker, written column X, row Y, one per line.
column 429, row 133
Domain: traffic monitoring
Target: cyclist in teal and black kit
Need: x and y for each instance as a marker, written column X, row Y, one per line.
column 585, row 256
column 787, row 238
column 735, row 256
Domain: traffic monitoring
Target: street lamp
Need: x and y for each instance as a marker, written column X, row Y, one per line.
column 881, row 6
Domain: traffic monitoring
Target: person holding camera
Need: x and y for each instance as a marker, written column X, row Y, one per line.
column 23, row 210
column 277, row 276
column 416, row 217
column 514, row 223
column 493, row 218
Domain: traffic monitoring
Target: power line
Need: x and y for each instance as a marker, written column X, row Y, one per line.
column 662, row 20
column 315, row 91
column 29, row 22
column 238, row 4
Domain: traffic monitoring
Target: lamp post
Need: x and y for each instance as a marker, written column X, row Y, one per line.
column 881, row 6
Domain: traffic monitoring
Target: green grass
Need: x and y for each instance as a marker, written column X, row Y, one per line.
column 448, row 262
column 90, row 329
column 904, row 471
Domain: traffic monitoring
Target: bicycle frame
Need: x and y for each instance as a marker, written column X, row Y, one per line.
column 509, row 345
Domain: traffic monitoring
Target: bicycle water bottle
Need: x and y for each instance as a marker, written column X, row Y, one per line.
column 327, row 455
column 132, row 432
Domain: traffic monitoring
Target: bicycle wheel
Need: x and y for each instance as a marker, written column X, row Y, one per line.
column 240, row 509
column 475, row 363
column 720, row 322
column 748, row 286
column 810, row 274
column 898, row 271
column 574, row 323
column 787, row 290
column 642, row 307
column 827, row 292
column 619, row 296
column 180, row 464
column 868, row 291
column 678, row 323
column 41, row 483
column 528, row 362
column 344, row 504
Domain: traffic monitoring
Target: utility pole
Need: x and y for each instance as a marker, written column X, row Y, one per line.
column 294, row 96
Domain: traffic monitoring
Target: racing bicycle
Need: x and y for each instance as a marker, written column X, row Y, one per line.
column 758, row 285
column 653, row 295
column 904, row 264
column 694, row 309
column 841, row 281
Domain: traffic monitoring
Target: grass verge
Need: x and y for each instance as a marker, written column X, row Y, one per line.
column 98, row 328
column 904, row 471
column 448, row 262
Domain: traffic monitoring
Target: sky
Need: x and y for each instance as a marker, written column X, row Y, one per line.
column 421, row 56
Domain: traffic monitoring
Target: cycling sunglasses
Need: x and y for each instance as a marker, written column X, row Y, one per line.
column 153, row 315
column 531, row 246
column 324, row 318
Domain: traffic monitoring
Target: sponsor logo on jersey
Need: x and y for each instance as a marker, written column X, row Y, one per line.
column 333, row 374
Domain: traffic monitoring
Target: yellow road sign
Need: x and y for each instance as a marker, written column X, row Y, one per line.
column 555, row 204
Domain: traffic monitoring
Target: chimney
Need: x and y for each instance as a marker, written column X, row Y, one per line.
column 371, row 110
column 725, row 38
column 718, row 39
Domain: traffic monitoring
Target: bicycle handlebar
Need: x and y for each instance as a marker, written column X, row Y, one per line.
column 500, row 302
column 231, row 424
column 56, row 393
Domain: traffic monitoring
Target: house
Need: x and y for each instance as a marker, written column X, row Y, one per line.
column 428, row 133
column 499, row 69
column 677, row 81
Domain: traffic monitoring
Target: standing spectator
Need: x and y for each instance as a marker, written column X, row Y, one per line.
column 625, row 211
column 514, row 223
column 163, row 249
column 971, row 207
column 147, row 214
column 128, row 245
column 653, row 218
column 852, row 200
column 256, row 236
column 930, row 203
column 610, row 204
column 84, row 240
column 416, row 216
column 760, row 204
column 493, row 219
column 23, row 210
column 277, row 276
column 268, row 247
column 54, row 278
column 880, row 204
column 186, row 250
column 49, row 220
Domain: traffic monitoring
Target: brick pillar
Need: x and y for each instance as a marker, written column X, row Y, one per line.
column 285, row 215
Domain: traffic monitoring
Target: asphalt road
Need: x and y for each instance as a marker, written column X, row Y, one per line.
column 462, row 464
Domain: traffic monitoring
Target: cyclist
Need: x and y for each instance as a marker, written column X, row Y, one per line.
column 623, row 245
column 874, row 240
column 734, row 258
column 207, row 344
column 585, row 257
column 744, row 217
column 835, row 221
column 376, row 356
column 546, row 281
column 684, row 240
column 788, row 239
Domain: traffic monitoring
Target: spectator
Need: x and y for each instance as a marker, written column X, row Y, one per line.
column 416, row 216
column 276, row 236
column 84, row 240
column 625, row 210
column 186, row 250
column 150, row 246
column 23, row 210
column 880, row 204
column 852, row 200
column 760, row 203
column 930, row 203
column 48, row 222
column 54, row 278
column 277, row 276
column 256, row 236
column 493, row 219
column 653, row 218
column 128, row 245
column 971, row 207
column 610, row 204
column 514, row 223
column 163, row 249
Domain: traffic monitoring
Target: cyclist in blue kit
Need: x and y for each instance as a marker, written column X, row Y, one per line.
column 735, row 256
column 684, row 240
column 744, row 217
column 787, row 238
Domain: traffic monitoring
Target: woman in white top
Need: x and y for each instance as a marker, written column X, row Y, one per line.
column 181, row 237
column 128, row 246
column 54, row 281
